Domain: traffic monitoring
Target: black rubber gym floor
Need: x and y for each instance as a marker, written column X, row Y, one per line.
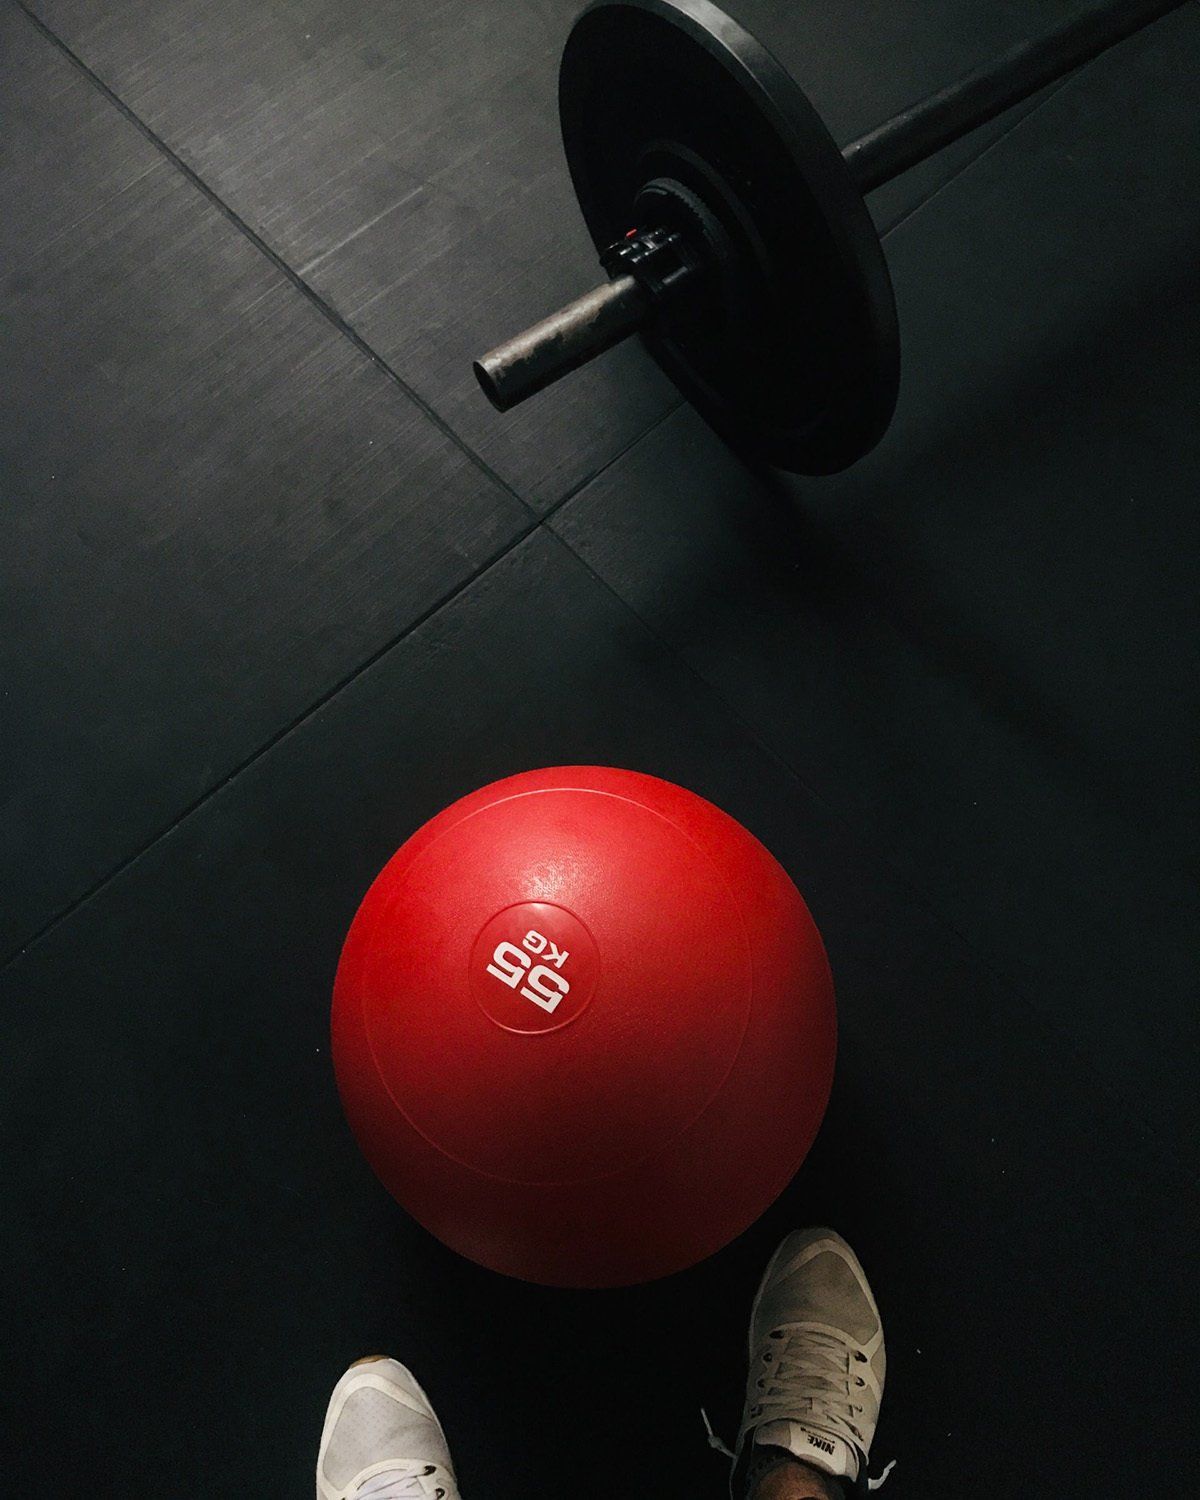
column 277, row 585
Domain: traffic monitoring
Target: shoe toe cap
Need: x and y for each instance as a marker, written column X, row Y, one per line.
column 378, row 1412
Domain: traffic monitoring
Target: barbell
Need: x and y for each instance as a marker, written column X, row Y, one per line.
column 733, row 229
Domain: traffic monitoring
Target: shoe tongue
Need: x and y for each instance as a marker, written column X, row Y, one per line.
column 832, row 1455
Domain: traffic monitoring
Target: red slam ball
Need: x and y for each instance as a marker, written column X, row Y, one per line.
column 584, row 1027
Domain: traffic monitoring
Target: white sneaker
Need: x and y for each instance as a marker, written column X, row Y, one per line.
column 382, row 1440
column 817, row 1360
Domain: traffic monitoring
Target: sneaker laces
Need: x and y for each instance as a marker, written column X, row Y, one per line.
column 401, row 1483
column 715, row 1442
column 808, row 1379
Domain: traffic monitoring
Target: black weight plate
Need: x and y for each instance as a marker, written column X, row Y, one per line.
column 804, row 374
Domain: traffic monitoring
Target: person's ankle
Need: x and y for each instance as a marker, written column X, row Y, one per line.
column 780, row 1475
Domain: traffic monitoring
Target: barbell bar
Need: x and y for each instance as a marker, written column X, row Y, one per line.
column 733, row 229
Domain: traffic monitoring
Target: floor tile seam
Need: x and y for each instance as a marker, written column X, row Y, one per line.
column 248, row 761
column 533, row 526
column 973, row 160
column 326, row 310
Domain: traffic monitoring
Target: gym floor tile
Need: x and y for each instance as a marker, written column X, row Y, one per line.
column 404, row 159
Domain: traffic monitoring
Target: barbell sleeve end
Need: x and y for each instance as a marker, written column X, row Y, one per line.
column 569, row 338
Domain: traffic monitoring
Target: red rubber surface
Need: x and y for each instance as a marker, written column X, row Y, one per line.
column 583, row 1027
